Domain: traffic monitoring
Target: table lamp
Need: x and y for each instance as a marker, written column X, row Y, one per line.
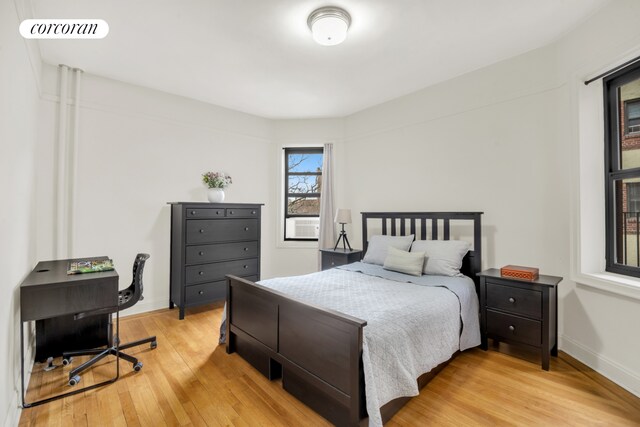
column 343, row 216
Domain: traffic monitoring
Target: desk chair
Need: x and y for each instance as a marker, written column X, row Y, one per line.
column 127, row 298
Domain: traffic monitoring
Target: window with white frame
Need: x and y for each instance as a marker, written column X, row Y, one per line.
column 302, row 190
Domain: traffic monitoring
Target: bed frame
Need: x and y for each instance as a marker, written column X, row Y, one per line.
column 317, row 351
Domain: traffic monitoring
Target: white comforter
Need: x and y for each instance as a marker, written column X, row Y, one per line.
column 411, row 328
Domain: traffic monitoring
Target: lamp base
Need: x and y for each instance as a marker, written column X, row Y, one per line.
column 345, row 241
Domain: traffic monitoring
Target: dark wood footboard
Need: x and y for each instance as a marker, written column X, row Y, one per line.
column 316, row 351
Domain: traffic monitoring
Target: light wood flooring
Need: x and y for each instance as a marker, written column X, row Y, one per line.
column 190, row 380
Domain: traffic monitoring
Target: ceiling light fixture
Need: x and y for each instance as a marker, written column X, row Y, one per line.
column 329, row 25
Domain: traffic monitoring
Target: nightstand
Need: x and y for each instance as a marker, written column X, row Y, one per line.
column 520, row 311
column 335, row 257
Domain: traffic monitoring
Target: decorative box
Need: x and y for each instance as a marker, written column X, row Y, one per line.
column 519, row 272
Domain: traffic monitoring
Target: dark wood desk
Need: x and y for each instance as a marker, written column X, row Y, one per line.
column 48, row 292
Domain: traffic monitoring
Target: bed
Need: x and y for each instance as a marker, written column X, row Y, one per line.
column 284, row 331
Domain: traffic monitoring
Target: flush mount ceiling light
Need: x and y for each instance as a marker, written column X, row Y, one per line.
column 329, row 25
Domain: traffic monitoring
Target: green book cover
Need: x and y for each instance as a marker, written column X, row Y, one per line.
column 86, row 266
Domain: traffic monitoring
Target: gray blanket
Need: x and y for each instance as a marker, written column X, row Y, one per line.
column 413, row 323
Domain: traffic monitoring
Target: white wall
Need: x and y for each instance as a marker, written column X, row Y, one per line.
column 138, row 150
column 19, row 106
column 503, row 140
column 600, row 328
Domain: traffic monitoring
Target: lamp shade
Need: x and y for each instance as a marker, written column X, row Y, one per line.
column 343, row 216
column 329, row 25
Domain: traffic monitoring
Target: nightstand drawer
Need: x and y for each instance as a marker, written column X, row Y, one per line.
column 514, row 328
column 330, row 261
column 337, row 257
column 526, row 302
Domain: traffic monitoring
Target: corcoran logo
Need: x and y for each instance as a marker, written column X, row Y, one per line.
column 64, row 29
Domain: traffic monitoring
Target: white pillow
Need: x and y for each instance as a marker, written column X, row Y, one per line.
column 377, row 248
column 443, row 257
column 404, row 262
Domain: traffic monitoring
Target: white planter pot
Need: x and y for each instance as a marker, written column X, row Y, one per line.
column 215, row 195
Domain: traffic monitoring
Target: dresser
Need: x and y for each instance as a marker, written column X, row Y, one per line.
column 520, row 311
column 209, row 241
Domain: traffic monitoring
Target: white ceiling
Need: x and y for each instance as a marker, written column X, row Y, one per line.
column 258, row 56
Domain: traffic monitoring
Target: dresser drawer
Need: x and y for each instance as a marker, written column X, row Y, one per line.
column 213, row 291
column 526, row 302
column 208, row 292
column 223, row 251
column 217, row 271
column 243, row 213
column 205, row 213
column 223, row 230
column 514, row 328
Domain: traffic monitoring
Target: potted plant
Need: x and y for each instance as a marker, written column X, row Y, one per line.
column 216, row 182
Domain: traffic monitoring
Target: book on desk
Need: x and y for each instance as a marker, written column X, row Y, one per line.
column 90, row 266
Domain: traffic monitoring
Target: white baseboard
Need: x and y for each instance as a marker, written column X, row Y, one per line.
column 145, row 305
column 617, row 373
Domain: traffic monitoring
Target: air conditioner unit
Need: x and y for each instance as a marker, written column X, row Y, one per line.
column 307, row 227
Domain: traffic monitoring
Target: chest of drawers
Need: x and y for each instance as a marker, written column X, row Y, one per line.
column 209, row 241
column 520, row 311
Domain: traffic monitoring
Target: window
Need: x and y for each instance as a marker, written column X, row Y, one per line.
column 632, row 116
column 622, row 170
column 302, row 189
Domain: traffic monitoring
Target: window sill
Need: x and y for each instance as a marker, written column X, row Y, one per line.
column 612, row 283
column 297, row 244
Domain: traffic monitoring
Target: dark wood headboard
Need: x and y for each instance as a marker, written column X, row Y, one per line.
column 424, row 224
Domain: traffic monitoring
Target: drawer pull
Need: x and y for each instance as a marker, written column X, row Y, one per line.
column 200, row 253
column 201, row 230
column 201, row 273
column 245, row 266
column 217, row 212
column 246, row 249
column 193, row 212
column 512, row 328
column 230, row 212
column 512, row 300
column 201, row 293
column 246, row 229
column 253, row 212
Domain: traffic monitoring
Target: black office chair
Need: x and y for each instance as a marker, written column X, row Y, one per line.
column 127, row 298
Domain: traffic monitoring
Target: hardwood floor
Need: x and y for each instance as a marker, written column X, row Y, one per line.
column 190, row 380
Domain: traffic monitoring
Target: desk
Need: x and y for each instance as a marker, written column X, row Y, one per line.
column 49, row 292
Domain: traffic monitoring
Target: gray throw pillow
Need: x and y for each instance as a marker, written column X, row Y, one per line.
column 404, row 262
column 443, row 257
column 377, row 247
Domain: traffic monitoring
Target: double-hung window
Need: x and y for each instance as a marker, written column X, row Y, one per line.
column 302, row 189
column 622, row 170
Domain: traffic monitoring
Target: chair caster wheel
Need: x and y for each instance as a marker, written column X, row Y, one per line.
column 137, row 366
column 154, row 344
column 66, row 362
column 74, row 380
